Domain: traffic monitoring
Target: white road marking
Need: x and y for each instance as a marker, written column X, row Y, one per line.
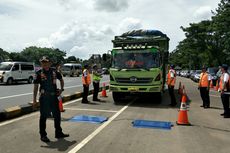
column 16, row 95
column 98, row 130
column 18, row 119
column 93, row 110
column 25, row 94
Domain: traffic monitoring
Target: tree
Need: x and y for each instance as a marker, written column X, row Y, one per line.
column 221, row 24
column 33, row 54
column 3, row 55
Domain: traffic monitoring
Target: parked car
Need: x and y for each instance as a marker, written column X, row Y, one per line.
column 212, row 71
column 192, row 73
column 184, row 73
column 16, row 71
column 197, row 76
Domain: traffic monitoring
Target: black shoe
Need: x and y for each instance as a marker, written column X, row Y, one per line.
column 84, row 102
column 226, row 116
column 61, row 135
column 222, row 114
column 45, row 139
column 201, row 105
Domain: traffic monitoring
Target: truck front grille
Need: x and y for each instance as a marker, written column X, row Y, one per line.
column 137, row 80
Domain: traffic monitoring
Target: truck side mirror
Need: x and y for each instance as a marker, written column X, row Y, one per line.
column 104, row 57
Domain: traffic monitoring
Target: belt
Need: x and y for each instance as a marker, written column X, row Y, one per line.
column 48, row 93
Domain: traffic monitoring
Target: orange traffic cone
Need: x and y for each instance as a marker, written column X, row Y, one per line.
column 217, row 85
column 183, row 116
column 103, row 93
column 60, row 104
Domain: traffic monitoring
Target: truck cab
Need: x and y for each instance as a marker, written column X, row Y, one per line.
column 138, row 64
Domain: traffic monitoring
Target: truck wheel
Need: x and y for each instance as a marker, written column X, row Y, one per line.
column 30, row 80
column 116, row 97
column 158, row 97
column 119, row 97
column 9, row 81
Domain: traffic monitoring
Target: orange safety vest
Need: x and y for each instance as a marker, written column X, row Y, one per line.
column 222, row 83
column 203, row 80
column 169, row 78
column 87, row 79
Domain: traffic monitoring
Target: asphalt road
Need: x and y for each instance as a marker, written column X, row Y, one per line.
column 21, row 93
column 209, row 133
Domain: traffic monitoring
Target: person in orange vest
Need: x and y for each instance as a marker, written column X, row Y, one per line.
column 171, row 80
column 203, row 86
column 86, row 81
column 225, row 90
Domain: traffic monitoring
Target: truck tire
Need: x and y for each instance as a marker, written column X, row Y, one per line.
column 158, row 97
column 117, row 97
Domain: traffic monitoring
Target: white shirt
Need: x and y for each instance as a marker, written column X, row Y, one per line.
column 85, row 73
column 209, row 77
column 172, row 73
column 226, row 77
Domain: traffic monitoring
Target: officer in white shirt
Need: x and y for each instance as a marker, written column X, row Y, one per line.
column 225, row 91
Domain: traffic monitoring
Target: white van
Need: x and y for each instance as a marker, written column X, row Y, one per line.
column 16, row 71
column 71, row 69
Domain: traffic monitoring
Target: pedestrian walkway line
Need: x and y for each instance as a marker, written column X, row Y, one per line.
column 93, row 110
column 98, row 130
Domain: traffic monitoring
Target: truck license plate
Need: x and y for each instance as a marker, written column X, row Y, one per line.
column 133, row 89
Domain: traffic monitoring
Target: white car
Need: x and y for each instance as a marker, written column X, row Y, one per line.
column 197, row 75
column 16, row 71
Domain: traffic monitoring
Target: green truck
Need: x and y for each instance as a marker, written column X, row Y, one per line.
column 139, row 60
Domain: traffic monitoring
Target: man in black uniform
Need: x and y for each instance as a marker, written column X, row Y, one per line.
column 47, row 78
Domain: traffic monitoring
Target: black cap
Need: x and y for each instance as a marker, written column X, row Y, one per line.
column 44, row 59
column 204, row 67
column 172, row 66
column 225, row 67
column 86, row 66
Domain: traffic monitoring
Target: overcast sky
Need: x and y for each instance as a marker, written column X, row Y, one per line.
column 85, row 27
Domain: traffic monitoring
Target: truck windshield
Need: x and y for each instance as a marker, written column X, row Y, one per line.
column 134, row 60
column 5, row 67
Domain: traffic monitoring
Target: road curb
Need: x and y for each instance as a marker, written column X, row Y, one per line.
column 20, row 110
column 2, row 115
column 13, row 112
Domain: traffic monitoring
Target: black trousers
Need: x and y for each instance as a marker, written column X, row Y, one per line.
column 225, row 102
column 172, row 95
column 95, row 90
column 49, row 104
column 204, row 93
column 85, row 93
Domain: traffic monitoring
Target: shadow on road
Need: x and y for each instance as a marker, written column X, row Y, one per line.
column 213, row 128
column 149, row 101
column 60, row 144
